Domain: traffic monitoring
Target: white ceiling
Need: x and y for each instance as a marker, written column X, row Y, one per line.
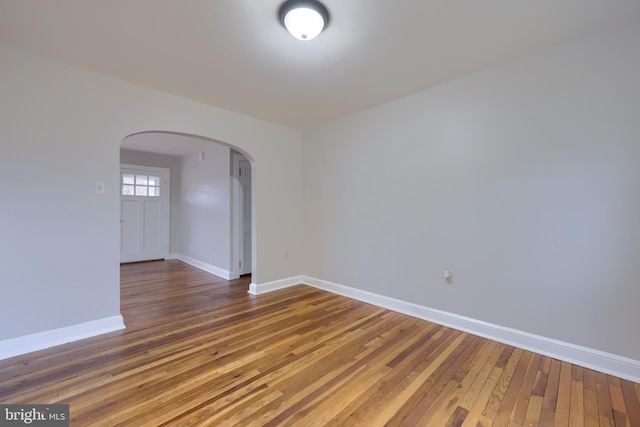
column 234, row 54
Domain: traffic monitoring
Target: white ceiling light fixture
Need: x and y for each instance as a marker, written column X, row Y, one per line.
column 304, row 19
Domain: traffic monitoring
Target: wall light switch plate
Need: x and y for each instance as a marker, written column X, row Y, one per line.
column 99, row 187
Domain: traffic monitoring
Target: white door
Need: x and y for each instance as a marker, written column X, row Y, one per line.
column 245, row 199
column 144, row 207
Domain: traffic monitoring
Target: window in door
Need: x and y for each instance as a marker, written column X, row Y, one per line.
column 140, row 185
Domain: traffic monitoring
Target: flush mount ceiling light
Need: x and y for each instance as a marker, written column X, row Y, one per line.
column 304, row 19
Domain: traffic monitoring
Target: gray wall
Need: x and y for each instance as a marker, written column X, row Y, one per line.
column 203, row 226
column 60, row 130
column 523, row 180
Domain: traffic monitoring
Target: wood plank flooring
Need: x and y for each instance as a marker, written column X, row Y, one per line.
column 199, row 350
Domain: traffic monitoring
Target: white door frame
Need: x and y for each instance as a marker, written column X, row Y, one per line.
column 237, row 229
column 165, row 175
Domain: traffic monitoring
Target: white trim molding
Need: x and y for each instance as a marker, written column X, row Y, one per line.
column 209, row 268
column 586, row 357
column 257, row 289
column 41, row 340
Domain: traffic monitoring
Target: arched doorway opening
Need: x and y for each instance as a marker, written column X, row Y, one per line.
column 211, row 213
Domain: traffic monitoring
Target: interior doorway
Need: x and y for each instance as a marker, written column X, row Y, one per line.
column 210, row 221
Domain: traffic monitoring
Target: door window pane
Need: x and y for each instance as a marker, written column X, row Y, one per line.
column 127, row 190
column 140, row 185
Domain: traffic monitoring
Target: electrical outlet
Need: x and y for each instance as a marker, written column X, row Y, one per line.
column 447, row 277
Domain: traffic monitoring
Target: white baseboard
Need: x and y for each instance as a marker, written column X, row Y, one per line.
column 601, row 361
column 209, row 268
column 262, row 288
column 39, row 341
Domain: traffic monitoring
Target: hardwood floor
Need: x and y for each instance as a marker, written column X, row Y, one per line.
column 199, row 350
